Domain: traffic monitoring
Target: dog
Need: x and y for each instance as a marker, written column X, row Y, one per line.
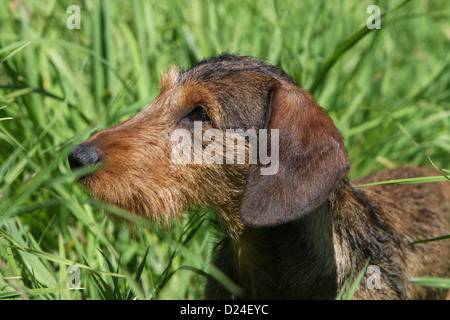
column 299, row 233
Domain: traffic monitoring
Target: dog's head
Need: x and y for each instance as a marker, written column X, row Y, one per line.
column 140, row 172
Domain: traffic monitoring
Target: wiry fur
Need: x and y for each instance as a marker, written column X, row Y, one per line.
column 311, row 221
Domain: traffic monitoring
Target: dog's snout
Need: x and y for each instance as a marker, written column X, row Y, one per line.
column 84, row 155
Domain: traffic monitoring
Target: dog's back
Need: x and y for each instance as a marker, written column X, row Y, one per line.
column 414, row 212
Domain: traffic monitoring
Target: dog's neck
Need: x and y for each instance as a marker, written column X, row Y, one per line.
column 306, row 243
column 264, row 256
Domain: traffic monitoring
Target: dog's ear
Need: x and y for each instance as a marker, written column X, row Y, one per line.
column 312, row 160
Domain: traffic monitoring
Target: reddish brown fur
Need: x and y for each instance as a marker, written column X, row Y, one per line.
column 309, row 219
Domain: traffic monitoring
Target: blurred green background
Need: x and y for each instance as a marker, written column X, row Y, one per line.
column 388, row 91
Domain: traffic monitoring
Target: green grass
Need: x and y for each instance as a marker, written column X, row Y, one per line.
column 387, row 90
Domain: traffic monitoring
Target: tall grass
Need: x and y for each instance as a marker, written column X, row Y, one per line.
column 387, row 90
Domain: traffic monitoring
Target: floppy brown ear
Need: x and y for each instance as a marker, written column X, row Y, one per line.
column 312, row 160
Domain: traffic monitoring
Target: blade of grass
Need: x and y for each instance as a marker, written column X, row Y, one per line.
column 348, row 44
column 343, row 292
column 33, row 292
column 354, row 286
column 405, row 181
column 138, row 273
column 430, row 240
column 439, row 170
column 48, row 256
column 18, row 46
column 432, row 282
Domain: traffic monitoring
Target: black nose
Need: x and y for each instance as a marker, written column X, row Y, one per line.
column 84, row 155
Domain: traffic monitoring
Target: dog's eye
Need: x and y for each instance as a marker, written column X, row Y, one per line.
column 198, row 113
